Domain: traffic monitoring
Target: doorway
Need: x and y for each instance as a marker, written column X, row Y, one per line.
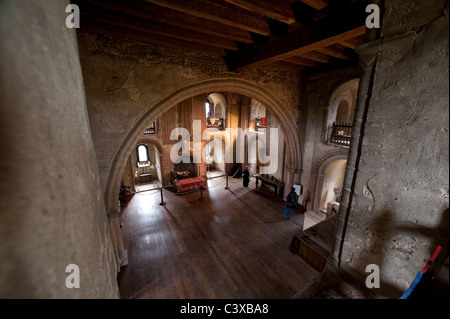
column 215, row 158
column 333, row 181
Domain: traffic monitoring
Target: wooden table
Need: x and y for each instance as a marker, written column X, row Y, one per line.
column 278, row 186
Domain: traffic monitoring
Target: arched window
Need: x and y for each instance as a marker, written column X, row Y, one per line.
column 343, row 112
column 209, row 109
column 215, row 111
column 341, row 109
column 142, row 155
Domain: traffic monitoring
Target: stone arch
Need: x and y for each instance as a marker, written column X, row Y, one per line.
column 344, row 94
column 293, row 142
column 318, row 175
column 151, row 140
column 340, row 89
column 219, row 103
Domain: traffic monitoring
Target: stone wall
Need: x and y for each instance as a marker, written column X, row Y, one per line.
column 51, row 209
column 394, row 209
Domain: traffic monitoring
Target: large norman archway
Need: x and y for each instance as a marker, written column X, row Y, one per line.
column 293, row 142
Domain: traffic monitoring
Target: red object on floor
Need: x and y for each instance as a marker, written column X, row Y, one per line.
column 190, row 184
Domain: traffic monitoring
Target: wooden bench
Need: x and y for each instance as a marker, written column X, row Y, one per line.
column 145, row 177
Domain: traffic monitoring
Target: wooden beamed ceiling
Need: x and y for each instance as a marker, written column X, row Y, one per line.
column 299, row 34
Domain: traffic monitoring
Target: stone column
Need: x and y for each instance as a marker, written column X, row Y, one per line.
column 367, row 60
column 201, row 169
column 317, row 193
column 52, row 210
column 121, row 253
column 309, row 146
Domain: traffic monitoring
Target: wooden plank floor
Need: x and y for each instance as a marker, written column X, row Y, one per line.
column 232, row 244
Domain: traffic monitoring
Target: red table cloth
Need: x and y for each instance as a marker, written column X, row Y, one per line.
column 190, row 183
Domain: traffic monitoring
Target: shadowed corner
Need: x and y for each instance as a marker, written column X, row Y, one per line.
column 386, row 230
column 432, row 281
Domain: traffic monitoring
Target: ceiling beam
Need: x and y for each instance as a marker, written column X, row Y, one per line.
column 159, row 14
column 217, row 12
column 316, row 4
column 287, row 65
column 316, row 56
column 120, row 32
column 352, row 42
column 301, row 61
column 335, row 50
column 347, row 24
column 133, row 23
column 273, row 9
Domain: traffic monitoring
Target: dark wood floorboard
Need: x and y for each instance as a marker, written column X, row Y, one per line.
column 232, row 244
